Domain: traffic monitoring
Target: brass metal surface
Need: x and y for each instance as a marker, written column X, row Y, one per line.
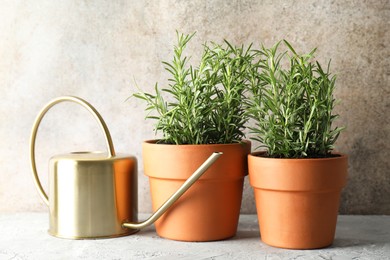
column 95, row 194
column 92, row 197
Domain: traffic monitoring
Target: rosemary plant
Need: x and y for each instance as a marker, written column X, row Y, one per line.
column 206, row 103
column 292, row 105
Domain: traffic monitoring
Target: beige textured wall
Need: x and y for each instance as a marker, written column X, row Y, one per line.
column 95, row 50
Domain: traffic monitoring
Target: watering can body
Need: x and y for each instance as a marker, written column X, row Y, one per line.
column 95, row 194
column 91, row 195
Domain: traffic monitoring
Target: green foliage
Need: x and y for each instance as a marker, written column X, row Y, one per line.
column 206, row 103
column 292, row 104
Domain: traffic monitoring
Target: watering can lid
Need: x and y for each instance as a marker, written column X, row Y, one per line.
column 91, row 156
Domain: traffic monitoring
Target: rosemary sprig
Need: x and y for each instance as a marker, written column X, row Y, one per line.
column 292, row 106
column 207, row 102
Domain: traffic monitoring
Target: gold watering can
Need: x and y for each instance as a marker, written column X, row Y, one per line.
column 94, row 194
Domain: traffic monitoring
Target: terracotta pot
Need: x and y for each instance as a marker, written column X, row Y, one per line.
column 210, row 209
column 297, row 200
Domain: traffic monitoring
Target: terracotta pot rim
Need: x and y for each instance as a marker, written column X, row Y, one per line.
column 154, row 141
column 312, row 174
column 340, row 155
column 192, row 156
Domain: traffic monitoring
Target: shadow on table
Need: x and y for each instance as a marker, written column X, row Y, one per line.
column 242, row 235
column 348, row 243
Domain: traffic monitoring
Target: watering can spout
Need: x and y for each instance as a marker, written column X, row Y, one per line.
column 186, row 185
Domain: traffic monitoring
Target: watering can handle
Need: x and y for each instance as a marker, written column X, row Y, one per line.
column 38, row 120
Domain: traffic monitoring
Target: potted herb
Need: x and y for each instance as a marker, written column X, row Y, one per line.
column 200, row 111
column 298, row 179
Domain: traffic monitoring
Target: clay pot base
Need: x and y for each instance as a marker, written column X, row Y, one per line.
column 310, row 223
column 209, row 210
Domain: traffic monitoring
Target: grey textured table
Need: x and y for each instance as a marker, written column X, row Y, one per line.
column 24, row 236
